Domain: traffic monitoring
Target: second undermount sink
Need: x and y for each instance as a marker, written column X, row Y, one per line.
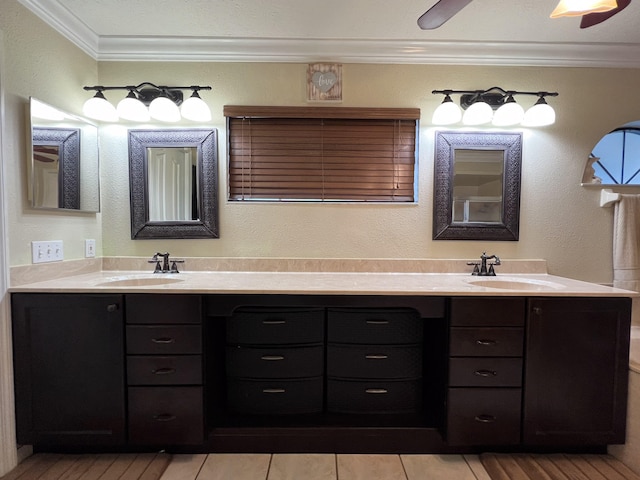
column 516, row 284
column 140, row 281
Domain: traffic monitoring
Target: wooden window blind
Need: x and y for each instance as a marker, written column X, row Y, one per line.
column 321, row 154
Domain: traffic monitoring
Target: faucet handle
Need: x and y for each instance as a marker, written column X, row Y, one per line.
column 174, row 266
column 476, row 270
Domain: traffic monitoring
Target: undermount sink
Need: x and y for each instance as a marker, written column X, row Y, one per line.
column 516, row 284
column 140, row 281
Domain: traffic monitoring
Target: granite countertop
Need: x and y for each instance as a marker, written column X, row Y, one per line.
column 322, row 283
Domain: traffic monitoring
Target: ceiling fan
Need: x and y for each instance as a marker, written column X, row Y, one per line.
column 444, row 10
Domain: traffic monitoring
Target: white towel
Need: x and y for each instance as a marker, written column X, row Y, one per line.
column 626, row 243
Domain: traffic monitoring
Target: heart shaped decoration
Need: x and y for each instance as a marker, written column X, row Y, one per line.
column 323, row 81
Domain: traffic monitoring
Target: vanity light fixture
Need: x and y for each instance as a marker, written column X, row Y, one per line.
column 578, row 8
column 147, row 101
column 479, row 107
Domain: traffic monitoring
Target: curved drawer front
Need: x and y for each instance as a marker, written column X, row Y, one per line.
column 486, row 342
column 483, row 416
column 374, row 396
column 166, row 415
column 381, row 326
column 282, row 326
column 164, row 340
column 163, row 370
column 275, row 397
column 485, row 372
column 374, row 361
column 276, row 362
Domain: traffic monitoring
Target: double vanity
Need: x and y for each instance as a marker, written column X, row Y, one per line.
column 320, row 361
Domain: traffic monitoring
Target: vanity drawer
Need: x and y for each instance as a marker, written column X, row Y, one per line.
column 153, row 309
column 166, row 416
column 483, row 416
column 374, row 361
column 275, row 326
column 485, row 372
column 374, row 396
column 380, row 326
column 275, row 397
column 161, row 370
column 491, row 311
column 486, row 342
column 276, row 362
column 164, row 339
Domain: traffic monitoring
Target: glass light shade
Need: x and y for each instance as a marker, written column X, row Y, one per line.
column 577, row 8
column 540, row 115
column 130, row 108
column 478, row 113
column 164, row 110
column 447, row 113
column 100, row 109
column 510, row 113
column 194, row 108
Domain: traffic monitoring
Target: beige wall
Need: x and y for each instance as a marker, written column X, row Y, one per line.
column 560, row 221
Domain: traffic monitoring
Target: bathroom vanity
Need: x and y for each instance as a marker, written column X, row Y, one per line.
column 353, row 362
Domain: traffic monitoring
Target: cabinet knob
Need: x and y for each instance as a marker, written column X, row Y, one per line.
column 537, row 310
column 486, row 342
column 485, row 418
column 164, row 371
column 164, row 417
column 112, row 307
column 163, row 340
column 376, row 391
column 485, row 373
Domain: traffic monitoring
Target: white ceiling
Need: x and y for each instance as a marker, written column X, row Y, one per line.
column 486, row 32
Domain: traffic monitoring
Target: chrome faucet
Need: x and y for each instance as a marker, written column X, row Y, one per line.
column 483, row 270
column 164, row 268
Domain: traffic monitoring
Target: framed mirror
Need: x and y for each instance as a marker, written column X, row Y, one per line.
column 477, row 186
column 173, row 178
column 64, row 172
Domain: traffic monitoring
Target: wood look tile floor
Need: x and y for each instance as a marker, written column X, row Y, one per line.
column 324, row 467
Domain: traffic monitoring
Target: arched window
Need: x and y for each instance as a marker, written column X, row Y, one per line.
column 617, row 157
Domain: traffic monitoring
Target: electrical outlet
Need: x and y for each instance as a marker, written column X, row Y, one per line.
column 89, row 248
column 47, row 251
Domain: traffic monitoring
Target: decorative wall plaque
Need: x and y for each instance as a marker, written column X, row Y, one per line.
column 324, row 82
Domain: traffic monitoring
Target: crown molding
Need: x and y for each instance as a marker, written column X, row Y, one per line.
column 310, row 50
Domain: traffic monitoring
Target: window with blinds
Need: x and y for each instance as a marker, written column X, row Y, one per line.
column 321, row 154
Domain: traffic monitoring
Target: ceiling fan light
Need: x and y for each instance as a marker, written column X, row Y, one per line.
column 447, row 113
column 478, row 113
column 510, row 113
column 577, row 8
column 99, row 108
column 540, row 115
column 130, row 108
column 164, row 110
column 195, row 109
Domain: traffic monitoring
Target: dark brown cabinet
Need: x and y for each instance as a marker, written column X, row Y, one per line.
column 69, row 369
column 576, row 371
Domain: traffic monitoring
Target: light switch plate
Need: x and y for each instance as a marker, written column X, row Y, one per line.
column 89, row 248
column 47, row 251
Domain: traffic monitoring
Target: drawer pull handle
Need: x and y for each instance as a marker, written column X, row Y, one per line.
column 274, row 322
column 112, row 307
column 377, row 322
column 485, row 418
column 485, row 373
column 376, row 391
column 164, row 417
column 163, row 340
column 164, row 371
column 273, row 390
column 272, row 358
column 376, row 357
column 486, row 342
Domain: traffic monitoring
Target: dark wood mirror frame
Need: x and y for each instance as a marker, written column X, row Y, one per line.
column 446, row 144
column 205, row 140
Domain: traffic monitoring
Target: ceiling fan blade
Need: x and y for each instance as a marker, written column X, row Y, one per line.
column 592, row 19
column 440, row 13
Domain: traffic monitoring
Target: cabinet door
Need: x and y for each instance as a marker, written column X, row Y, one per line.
column 576, row 371
column 69, row 369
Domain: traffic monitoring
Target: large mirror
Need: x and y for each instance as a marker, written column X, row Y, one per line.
column 477, row 186
column 64, row 167
column 173, row 176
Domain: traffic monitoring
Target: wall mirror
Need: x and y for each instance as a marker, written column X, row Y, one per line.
column 63, row 166
column 477, row 186
column 173, row 178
